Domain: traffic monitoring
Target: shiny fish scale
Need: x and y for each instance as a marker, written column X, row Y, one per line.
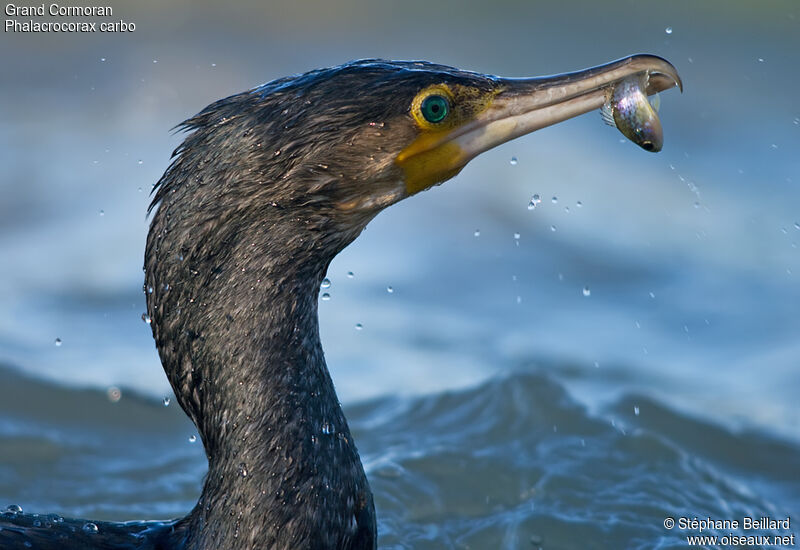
column 630, row 111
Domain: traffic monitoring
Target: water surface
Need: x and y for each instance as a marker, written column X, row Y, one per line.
column 632, row 355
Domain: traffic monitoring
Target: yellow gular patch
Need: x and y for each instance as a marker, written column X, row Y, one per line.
column 432, row 158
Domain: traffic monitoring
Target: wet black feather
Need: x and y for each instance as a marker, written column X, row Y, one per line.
column 267, row 187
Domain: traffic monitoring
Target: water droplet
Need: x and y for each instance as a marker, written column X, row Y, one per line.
column 213, row 64
column 514, row 161
column 149, row 289
column 327, row 429
column 636, row 410
column 90, row 528
column 58, row 342
column 140, row 190
column 192, row 438
column 760, row 59
column 140, row 161
column 587, row 291
column 103, row 59
column 326, row 283
column 477, row 233
column 652, row 294
column 579, row 204
column 566, row 209
column 155, row 61
column 326, row 296
column 535, row 201
column 389, row 289
column 102, row 213
column 166, row 401
column 242, row 470
column 359, row 326
column 519, row 299
column 350, row 275
column 597, row 364
column 14, row 509
column 554, row 200
column 37, row 523
column 114, row 394
column 146, row 318
column 553, row 228
column 517, row 236
column 797, row 225
column 668, row 30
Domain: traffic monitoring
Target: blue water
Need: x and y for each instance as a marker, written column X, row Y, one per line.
column 494, row 392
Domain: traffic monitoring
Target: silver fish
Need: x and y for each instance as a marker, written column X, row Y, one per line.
column 629, row 109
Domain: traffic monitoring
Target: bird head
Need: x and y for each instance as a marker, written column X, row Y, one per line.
column 328, row 149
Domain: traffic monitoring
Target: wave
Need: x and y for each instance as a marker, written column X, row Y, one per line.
column 516, row 462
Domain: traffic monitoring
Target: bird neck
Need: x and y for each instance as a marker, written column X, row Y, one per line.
column 240, row 344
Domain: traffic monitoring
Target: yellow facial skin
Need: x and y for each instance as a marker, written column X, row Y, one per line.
column 483, row 116
column 432, row 158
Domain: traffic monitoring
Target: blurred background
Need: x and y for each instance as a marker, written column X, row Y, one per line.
column 672, row 277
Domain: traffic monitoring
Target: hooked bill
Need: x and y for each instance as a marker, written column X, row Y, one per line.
column 629, row 109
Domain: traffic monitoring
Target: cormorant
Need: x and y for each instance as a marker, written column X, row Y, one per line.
column 268, row 186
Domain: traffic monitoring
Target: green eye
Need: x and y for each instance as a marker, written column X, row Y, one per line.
column 435, row 108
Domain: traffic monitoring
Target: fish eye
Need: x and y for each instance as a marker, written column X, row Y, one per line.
column 435, row 108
